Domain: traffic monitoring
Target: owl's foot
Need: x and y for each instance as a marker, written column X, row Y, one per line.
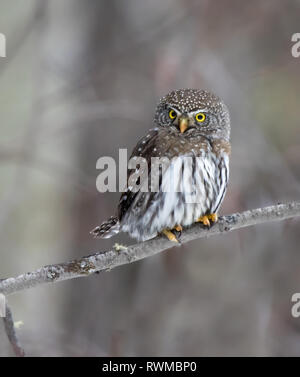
column 178, row 228
column 170, row 235
column 213, row 217
column 205, row 220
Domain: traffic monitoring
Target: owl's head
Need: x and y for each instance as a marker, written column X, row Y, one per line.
column 193, row 112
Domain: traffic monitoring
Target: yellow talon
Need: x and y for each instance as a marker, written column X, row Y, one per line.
column 178, row 228
column 205, row 219
column 213, row 217
column 169, row 235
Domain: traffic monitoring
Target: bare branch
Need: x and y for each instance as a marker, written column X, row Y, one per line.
column 11, row 333
column 103, row 261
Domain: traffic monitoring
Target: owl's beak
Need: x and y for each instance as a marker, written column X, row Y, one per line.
column 183, row 124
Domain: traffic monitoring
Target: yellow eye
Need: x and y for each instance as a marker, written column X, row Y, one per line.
column 200, row 117
column 172, row 114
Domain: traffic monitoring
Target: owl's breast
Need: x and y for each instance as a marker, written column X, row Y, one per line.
column 192, row 187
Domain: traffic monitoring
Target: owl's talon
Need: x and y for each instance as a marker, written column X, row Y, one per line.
column 170, row 236
column 178, row 228
column 204, row 220
column 213, row 217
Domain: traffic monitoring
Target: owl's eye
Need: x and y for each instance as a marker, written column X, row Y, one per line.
column 172, row 114
column 200, row 117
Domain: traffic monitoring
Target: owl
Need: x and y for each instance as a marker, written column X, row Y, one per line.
column 191, row 135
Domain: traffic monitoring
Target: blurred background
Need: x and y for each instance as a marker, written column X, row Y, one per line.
column 81, row 79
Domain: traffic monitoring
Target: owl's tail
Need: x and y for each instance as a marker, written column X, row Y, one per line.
column 107, row 229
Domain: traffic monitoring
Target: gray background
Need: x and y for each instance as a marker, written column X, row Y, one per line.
column 81, row 80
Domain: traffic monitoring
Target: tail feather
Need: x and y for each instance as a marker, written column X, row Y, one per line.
column 107, row 229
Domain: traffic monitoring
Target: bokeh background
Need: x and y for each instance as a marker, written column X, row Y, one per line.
column 81, row 80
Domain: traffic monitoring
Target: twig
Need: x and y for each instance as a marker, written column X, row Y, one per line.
column 103, row 261
column 11, row 333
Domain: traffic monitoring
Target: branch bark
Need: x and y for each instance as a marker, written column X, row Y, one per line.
column 104, row 261
column 11, row 333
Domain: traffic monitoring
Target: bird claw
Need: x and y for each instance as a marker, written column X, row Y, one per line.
column 206, row 219
column 178, row 230
column 170, row 235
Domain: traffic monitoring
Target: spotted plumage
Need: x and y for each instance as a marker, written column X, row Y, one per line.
column 191, row 137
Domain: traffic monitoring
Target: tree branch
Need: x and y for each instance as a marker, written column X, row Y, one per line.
column 103, row 261
column 11, row 333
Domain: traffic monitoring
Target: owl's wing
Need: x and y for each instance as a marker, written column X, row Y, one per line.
column 149, row 146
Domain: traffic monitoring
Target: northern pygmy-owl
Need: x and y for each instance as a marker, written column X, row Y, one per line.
column 192, row 132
